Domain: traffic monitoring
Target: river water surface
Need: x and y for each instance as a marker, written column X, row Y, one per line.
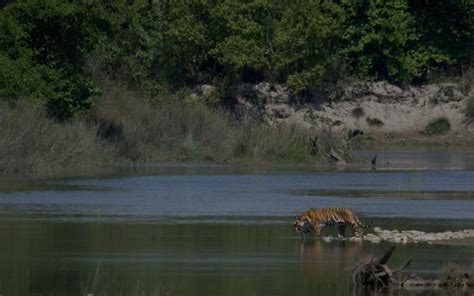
column 216, row 230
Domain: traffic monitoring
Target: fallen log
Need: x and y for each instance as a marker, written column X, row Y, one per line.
column 374, row 273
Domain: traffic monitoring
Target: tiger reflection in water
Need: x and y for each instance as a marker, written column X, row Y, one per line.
column 328, row 260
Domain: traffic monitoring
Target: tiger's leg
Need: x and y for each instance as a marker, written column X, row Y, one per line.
column 341, row 229
column 317, row 230
column 357, row 230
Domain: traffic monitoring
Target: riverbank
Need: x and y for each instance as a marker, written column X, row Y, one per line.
column 432, row 114
column 266, row 125
column 124, row 127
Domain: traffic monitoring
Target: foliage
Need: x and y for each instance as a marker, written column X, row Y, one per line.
column 447, row 26
column 241, row 35
column 42, row 55
column 438, row 126
column 51, row 51
column 305, row 42
column 358, row 112
column 384, row 42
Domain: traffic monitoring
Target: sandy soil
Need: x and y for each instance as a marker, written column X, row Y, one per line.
column 402, row 113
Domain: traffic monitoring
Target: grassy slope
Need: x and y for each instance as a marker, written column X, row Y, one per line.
column 127, row 127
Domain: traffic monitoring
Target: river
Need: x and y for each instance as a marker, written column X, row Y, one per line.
column 200, row 229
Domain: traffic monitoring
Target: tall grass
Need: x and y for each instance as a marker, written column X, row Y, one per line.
column 171, row 129
column 30, row 141
column 127, row 126
column 469, row 111
column 281, row 143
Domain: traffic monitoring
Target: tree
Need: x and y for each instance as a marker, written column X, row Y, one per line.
column 43, row 55
column 306, row 41
column 384, row 42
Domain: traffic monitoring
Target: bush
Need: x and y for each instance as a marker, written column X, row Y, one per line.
column 374, row 121
column 438, row 126
column 358, row 112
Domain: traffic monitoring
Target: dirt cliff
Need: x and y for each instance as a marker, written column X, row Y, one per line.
column 382, row 110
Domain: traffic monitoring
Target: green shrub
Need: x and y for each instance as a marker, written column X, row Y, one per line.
column 358, row 112
column 438, row 126
column 374, row 121
column 384, row 42
column 297, row 43
column 40, row 62
column 311, row 46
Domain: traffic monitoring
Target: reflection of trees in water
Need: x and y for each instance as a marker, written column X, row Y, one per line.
column 327, row 259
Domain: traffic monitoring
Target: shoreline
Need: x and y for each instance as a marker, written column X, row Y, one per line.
column 392, row 157
column 415, row 139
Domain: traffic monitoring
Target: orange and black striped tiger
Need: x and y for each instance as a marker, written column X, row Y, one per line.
column 315, row 218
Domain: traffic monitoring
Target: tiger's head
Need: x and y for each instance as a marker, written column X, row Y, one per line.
column 302, row 224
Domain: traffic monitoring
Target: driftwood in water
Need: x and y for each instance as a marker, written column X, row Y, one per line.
column 374, row 272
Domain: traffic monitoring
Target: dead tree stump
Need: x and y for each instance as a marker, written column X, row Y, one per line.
column 374, row 272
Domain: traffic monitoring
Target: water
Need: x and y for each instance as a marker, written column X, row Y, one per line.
column 215, row 230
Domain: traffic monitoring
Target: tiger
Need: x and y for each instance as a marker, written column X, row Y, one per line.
column 315, row 218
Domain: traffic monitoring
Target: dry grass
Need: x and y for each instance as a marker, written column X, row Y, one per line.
column 327, row 141
column 469, row 111
column 126, row 126
column 286, row 142
column 453, row 276
column 31, row 142
column 172, row 129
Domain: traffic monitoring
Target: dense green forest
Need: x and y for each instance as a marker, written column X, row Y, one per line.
column 84, row 76
column 53, row 52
